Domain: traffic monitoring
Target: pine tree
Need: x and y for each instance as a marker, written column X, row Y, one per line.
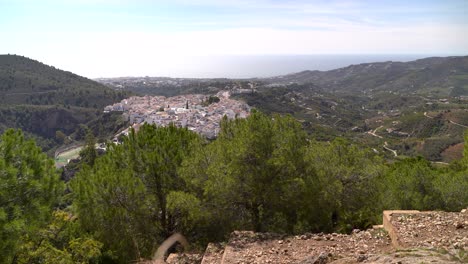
column 29, row 190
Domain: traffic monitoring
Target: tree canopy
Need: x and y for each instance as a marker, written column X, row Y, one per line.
column 29, row 189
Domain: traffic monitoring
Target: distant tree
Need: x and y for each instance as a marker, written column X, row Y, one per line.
column 81, row 131
column 60, row 136
column 89, row 153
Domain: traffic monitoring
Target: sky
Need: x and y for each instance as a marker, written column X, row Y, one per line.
column 109, row 38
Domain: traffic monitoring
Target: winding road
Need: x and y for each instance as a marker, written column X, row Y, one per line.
column 385, row 146
column 428, row 116
column 373, row 133
column 389, row 149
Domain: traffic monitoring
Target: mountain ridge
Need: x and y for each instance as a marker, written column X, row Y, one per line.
column 27, row 81
column 440, row 74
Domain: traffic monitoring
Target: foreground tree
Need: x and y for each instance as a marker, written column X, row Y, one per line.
column 128, row 197
column 452, row 184
column 252, row 175
column 410, row 185
column 346, row 193
column 29, row 189
column 61, row 241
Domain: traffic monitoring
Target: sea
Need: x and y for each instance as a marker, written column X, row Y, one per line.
column 250, row 66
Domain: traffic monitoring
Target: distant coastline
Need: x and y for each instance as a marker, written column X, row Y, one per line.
column 251, row 66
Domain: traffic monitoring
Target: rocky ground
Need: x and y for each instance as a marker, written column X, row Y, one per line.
column 433, row 229
column 249, row 247
column 423, row 237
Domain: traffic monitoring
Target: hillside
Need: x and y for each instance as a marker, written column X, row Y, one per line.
column 388, row 97
column 442, row 76
column 26, row 81
column 169, row 87
column 414, row 108
column 43, row 100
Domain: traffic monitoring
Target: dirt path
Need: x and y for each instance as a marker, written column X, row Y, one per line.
column 373, row 133
column 425, row 114
column 389, row 149
column 457, row 124
column 385, row 146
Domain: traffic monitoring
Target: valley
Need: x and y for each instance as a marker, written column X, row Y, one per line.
column 418, row 107
column 262, row 147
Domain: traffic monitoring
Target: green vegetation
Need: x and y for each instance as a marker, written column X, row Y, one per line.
column 211, row 99
column 26, row 81
column 168, row 87
column 262, row 173
column 29, row 190
column 437, row 75
column 42, row 100
column 127, row 198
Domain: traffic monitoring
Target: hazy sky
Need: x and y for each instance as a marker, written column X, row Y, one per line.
column 141, row 37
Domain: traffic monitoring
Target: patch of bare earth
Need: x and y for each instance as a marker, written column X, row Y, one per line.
column 249, row 247
column 454, row 152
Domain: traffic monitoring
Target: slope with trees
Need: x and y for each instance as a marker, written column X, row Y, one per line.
column 42, row 100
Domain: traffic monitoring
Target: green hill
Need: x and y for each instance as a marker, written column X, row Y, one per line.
column 42, row 100
column 416, row 106
column 26, row 81
column 437, row 75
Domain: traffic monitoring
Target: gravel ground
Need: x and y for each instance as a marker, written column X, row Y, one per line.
column 426, row 237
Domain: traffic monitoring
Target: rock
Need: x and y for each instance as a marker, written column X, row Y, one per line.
column 323, row 258
column 361, row 258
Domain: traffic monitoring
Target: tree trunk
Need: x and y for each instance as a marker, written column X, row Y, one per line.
column 256, row 218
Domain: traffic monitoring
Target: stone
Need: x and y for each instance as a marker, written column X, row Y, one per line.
column 320, row 259
column 361, row 258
